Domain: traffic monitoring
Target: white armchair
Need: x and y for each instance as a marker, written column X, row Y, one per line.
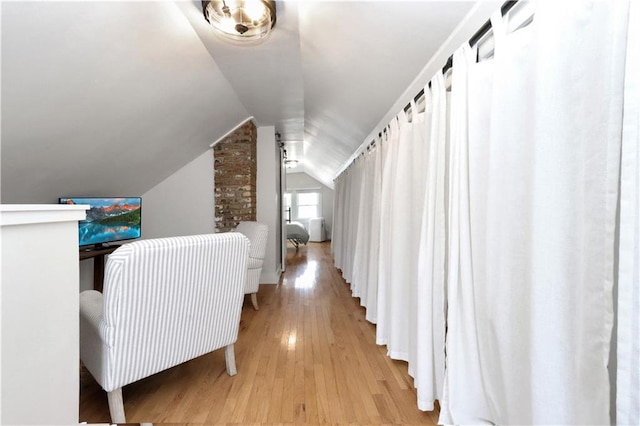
column 257, row 234
column 165, row 301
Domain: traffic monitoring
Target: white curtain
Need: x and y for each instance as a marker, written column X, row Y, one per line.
column 385, row 271
column 339, row 207
column 530, row 291
column 396, row 313
column 360, row 275
column 499, row 227
column 353, row 198
column 628, row 344
column 463, row 394
column 381, row 149
column 427, row 364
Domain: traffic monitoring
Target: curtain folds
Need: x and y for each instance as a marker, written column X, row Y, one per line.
column 541, row 295
column 360, row 276
column 385, row 272
column 464, row 399
column 427, row 366
column 628, row 344
column 486, row 236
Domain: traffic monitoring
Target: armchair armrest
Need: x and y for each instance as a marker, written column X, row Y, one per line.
column 92, row 345
column 91, row 307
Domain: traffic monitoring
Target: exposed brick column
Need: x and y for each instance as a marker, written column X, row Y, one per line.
column 235, row 169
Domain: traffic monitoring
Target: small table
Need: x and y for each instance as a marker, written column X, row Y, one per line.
column 97, row 254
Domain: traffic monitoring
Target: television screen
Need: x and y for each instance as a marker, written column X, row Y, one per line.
column 108, row 219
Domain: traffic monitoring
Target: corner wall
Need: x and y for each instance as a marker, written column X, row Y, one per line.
column 183, row 203
column 268, row 201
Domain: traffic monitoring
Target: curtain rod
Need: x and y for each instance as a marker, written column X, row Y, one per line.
column 484, row 29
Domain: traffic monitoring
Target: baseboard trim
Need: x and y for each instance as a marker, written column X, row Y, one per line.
column 270, row 278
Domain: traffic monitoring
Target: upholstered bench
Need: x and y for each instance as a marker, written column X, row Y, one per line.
column 165, row 301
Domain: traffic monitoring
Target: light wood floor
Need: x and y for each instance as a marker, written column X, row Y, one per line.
column 306, row 357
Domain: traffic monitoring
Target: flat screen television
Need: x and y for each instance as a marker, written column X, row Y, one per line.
column 108, row 219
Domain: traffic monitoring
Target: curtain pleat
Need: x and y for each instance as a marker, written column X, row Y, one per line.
column 402, row 243
column 464, row 399
column 360, row 277
column 352, row 196
column 428, row 364
column 385, row 272
column 628, row 343
column 376, row 212
column 336, row 233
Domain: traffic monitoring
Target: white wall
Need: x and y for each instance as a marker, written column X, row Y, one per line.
column 182, row 204
column 267, row 200
column 304, row 181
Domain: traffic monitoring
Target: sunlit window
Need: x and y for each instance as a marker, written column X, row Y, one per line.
column 308, row 203
column 287, row 207
column 302, row 204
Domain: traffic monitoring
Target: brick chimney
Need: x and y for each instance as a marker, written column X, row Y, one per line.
column 235, row 170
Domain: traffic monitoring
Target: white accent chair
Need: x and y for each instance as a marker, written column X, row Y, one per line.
column 165, row 301
column 257, row 234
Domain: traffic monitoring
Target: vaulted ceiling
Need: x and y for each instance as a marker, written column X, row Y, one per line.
column 113, row 97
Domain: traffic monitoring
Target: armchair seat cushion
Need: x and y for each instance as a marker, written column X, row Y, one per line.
column 258, row 233
column 255, row 263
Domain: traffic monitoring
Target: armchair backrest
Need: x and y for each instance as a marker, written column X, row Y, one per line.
column 169, row 300
column 257, row 234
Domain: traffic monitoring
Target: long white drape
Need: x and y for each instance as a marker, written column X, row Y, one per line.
column 427, row 367
column 355, row 195
column 541, row 297
column 339, row 207
column 628, row 344
column 385, row 271
column 462, row 351
column 360, row 275
column 498, row 229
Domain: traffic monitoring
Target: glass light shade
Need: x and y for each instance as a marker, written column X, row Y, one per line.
column 245, row 22
column 290, row 164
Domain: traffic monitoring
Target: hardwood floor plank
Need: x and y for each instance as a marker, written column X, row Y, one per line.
column 307, row 356
column 299, row 406
column 310, row 386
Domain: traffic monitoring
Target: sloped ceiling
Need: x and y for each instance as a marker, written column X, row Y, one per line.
column 358, row 57
column 111, row 98
column 104, row 98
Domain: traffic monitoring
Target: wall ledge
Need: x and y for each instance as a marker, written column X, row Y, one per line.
column 23, row 214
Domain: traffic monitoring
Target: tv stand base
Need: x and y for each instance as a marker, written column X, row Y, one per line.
column 97, row 254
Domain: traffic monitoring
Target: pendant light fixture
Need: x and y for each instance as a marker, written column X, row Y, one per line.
column 246, row 22
column 291, row 164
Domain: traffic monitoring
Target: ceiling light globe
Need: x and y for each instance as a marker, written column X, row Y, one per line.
column 243, row 22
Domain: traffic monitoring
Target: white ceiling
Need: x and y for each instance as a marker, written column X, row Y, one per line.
column 126, row 93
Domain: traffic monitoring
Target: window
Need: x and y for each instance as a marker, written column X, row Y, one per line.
column 287, row 206
column 308, row 203
column 304, row 204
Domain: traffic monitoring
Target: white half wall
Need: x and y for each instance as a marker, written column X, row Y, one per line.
column 183, row 203
column 267, row 198
column 39, row 314
column 300, row 181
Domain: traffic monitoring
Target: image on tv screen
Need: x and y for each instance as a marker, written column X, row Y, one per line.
column 108, row 219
